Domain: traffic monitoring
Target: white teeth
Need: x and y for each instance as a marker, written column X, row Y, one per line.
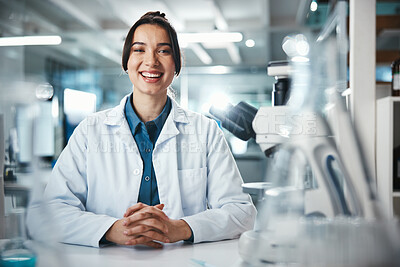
column 151, row 75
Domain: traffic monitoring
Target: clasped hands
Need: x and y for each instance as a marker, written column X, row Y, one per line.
column 147, row 225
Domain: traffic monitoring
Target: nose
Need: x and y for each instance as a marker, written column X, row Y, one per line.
column 151, row 59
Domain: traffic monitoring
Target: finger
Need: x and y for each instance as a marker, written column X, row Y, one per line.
column 149, row 224
column 137, row 217
column 134, row 208
column 145, row 213
column 138, row 240
column 138, row 207
column 151, row 233
column 159, row 206
column 154, row 244
column 156, row 211
column 138, row 230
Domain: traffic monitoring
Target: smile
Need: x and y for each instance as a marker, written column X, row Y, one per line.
column 151, row 74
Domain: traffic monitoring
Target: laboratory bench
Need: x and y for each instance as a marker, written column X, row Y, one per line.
column 210, row 254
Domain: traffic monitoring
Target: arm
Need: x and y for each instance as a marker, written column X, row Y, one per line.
column 231, row 212
column 64, row 200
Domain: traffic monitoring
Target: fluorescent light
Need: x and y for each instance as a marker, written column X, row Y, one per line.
column 30, row 40
column 233, row 52
column 210, row 37
column 201, row 53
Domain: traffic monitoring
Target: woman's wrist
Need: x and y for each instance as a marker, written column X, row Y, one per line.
column 184, row 229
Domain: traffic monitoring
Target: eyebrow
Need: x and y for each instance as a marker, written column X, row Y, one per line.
column 159, row 44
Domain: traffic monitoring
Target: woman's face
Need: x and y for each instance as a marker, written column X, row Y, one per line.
column 151, row 64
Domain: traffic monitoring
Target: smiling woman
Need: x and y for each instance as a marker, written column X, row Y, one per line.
column 151, row 64
column 153, row 18
column 166, row 174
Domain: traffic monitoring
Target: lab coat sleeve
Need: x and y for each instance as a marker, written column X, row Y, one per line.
column 65, row 196
column 230, row 212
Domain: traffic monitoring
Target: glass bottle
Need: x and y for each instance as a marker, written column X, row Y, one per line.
column 15, row 252
column 396, row 78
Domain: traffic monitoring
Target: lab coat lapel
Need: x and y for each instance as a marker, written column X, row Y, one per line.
column 170, row 130
column 166, row 163
column 116, row 117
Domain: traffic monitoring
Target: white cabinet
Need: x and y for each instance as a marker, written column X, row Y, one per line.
column 387, row 138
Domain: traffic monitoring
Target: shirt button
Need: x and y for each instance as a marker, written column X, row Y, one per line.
column 147, row 178
column 136, row 172
column 148, row 150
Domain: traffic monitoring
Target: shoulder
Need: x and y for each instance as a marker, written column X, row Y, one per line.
column 97, row 120
column 200, row 120
column 111, row 116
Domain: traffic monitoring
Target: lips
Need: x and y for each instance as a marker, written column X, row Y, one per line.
column 151, row 76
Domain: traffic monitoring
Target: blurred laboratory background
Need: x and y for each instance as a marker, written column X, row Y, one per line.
column 74, row 69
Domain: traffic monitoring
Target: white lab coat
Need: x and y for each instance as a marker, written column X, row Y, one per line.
column 98, row 175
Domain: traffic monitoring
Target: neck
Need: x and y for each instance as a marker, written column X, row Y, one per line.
column 148, row 107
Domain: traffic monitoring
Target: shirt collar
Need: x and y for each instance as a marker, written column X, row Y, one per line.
column 134, row 120
column 160, row 120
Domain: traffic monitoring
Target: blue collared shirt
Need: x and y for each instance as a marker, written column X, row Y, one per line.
column 145, row 135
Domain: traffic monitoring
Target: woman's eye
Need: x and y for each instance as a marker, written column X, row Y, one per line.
column 138, row 50
column 165, row 51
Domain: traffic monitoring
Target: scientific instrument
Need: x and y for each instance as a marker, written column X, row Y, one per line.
column 322, row 208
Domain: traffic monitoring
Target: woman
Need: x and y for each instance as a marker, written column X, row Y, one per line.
column 147, row 171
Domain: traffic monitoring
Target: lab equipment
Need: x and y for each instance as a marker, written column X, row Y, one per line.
column 20, row 106
column 237, row 119
column 281, row 71
column 322, row 208
column 16, row 250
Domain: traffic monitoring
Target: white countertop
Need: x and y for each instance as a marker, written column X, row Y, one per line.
column 216, row 254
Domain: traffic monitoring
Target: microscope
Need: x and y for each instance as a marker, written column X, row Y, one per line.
column 273, row 126
column 308, row 181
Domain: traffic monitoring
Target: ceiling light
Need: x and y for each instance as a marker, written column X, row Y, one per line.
column 201, row 53
column 30, row 40
column 314, row 6
column 211, row 37
column 250, row 43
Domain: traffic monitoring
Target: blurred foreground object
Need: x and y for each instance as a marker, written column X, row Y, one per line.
column 321, row 206
column 16, row 251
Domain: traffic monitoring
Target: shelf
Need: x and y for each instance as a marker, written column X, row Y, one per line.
column 396, row 194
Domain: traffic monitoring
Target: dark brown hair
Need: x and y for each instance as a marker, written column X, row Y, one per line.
column 158, row 19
